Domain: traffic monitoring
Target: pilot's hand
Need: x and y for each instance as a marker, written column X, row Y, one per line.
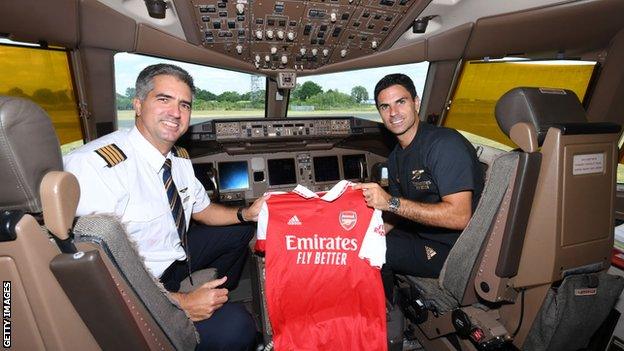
column 201, row 303
column 374, row 195
column 251, row 213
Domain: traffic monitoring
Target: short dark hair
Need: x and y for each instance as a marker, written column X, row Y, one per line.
column 395, row 79
column 145, row 80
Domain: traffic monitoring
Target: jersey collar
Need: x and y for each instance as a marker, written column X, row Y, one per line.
column 147, row 151
column 329, row 196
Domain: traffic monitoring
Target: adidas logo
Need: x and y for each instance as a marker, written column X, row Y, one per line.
column 294, row 220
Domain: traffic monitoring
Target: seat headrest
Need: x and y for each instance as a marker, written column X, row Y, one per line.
column 539, row 107
column 29, row 149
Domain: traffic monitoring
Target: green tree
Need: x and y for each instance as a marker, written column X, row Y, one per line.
column 205, row 95
column 123, row 103
column 18, row 92
column 307, row 90
column 44, row 96
column 130, row 93
column 230, row 96
column 359, row 94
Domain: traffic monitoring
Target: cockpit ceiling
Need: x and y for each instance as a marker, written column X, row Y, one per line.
column 301, row 34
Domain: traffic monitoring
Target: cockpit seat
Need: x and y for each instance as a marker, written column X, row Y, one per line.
column 89, row 291
column 499, row 272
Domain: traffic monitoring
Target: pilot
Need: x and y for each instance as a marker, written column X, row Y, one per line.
column 435, row 182
column 141, row 177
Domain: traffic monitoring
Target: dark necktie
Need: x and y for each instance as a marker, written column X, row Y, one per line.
column 177, row 211
column 175, row 203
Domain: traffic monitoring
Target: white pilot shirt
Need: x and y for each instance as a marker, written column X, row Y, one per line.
column 133, row 190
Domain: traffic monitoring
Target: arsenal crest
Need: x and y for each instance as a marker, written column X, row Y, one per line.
column 348, row 219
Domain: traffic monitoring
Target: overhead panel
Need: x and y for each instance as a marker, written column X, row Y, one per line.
column 296, row 34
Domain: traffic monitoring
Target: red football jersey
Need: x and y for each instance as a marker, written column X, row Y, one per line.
column 323, row 285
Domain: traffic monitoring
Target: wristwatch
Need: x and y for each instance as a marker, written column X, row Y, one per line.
column 393, row 204
column 239, row 215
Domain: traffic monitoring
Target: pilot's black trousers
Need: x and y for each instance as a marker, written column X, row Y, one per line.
column 226, row 249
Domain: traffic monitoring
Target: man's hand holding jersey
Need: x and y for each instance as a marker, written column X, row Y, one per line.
column 453, row 212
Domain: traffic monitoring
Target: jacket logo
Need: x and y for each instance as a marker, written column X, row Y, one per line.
column 347, row 219
column 294, row 220
column 416, row 173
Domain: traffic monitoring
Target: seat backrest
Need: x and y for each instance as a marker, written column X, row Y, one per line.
column 487, row 252
column 571, row 225
column 42, row 315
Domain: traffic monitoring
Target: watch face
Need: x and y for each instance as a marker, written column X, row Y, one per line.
column 394, row 204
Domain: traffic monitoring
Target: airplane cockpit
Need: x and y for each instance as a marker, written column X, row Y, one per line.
column 284, row 99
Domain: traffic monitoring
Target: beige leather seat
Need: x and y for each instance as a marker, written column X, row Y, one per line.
column 95, row 296
column 543, row 229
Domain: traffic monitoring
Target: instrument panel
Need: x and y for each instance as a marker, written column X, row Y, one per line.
column 236, row 178
column 297, row 34
column 280, row 129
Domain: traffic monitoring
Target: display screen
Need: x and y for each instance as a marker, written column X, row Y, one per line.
column 354, row 166
column 326, row 168
column 233, row 175
column 282, row 171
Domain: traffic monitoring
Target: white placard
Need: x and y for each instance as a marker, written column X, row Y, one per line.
column 588, row 164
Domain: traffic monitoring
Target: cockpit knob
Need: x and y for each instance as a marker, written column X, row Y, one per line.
column 325, row 52
column 240, row 8
column 267, row 58
column 269, row 33
column 259, row 34
column 284, row 59
column 257, row 58
column 343, row 52
column 332, row 17
column 239, row 49
column 273, row 50
column 314, row 51
column 374, row 44
column 291, row 36
column 302, row 51
column 280, row 34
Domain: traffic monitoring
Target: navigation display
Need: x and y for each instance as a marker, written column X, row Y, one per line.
column 233, row 175
column 326, row 168
column 282, row 171
column 354, row 166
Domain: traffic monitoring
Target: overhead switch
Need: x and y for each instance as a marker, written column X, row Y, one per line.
column 240, row 8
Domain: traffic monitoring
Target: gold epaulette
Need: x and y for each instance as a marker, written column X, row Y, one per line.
column 179, row 151
column 112, row 154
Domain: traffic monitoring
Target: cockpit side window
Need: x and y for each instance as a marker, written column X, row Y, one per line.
column 43, row 76
column 481, row 84
column 220, row 93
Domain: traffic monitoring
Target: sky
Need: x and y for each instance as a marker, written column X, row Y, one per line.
column 128, row 66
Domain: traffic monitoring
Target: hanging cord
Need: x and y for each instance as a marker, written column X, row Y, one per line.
column 521, row 314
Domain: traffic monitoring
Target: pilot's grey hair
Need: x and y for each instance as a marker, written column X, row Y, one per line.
column 395, row 79
column 145, row 80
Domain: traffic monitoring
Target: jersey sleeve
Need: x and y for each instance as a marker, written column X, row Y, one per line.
column 201, row 197
column 261, row 231
column 99, row 192
column 374, row 244
column 452, row 164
